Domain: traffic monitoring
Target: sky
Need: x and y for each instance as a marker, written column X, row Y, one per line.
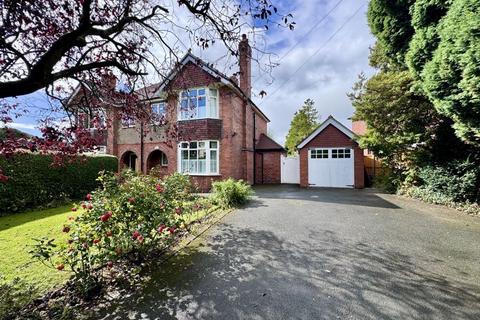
column 320, row 59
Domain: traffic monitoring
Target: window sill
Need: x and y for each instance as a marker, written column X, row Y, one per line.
column 198, row 119
column 203, row 174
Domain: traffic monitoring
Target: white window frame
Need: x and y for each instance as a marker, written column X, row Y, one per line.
column 156, row 106
column 340, row 153
column 127, row 123
column 313, row 153
column 212, row 105
column 163, row 159
column 208, row 159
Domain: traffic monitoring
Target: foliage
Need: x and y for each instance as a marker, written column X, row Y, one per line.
column 231, row 193
column 304, row 121
column 426, row 14
column 390, row 22
column 432, row 196
column 452, row 76
column 129, row 216
column 439, row 42
column 64, row 47
column 400, row 122
column 14, row 294
column 33, row 181
column 458, row 181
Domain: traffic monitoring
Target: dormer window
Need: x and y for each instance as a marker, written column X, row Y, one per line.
column 198, row 103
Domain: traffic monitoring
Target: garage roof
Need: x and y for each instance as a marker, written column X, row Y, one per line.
column 330, row 121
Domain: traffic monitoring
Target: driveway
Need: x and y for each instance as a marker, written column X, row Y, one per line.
column 321, row 254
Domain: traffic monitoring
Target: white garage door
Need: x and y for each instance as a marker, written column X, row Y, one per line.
column 331, row 167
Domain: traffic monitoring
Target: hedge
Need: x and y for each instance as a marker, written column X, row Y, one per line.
column 34, row 182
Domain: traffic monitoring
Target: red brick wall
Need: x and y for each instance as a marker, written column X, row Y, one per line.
column 191, row 76
column 234, row 130
column 331, row 137
column 268, row 166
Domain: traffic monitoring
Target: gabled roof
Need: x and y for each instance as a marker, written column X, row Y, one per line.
column 189, row 57
column 265, row 143
column 330, row 121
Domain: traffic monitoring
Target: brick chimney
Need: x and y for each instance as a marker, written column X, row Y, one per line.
column 245, row 64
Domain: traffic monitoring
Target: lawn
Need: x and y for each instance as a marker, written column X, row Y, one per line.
column 16, row 234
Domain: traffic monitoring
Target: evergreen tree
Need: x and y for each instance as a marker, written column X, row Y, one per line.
column 303, row 123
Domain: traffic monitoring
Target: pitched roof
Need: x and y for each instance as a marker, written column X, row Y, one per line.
column 265, row 143
column 148, row 92
column 330, row 121
column 189, row 57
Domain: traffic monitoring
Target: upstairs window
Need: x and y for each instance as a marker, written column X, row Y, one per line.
column 93, row 120
column 128, row 121
column 159, row 112
column 198, row 103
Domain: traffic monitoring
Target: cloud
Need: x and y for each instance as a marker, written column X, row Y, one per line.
column 20, row 126
column 330, row 66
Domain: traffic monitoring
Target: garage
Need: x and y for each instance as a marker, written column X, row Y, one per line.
column 330, row 157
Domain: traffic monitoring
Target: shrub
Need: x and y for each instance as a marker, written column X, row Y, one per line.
column 128, row 216
column 33, row 181
column 456, row 185
column 14, row 295
column 230, row 193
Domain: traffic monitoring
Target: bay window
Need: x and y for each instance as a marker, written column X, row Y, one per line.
column 198, row 157
column 198, row 103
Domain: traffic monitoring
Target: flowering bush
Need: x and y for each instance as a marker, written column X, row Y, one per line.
column 231, row 193
column 129, row 216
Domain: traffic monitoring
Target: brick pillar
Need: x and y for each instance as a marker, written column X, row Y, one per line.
column 112, row 131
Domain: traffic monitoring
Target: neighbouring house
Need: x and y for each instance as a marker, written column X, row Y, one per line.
column 330, row 157
column 373, row 166
column 213, row 130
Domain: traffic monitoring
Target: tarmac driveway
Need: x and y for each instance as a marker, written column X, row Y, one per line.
column 321, row 254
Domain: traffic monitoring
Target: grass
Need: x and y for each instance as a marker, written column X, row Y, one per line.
column 16, row 237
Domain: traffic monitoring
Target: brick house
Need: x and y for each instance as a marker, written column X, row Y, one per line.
column 212, row 128
column 330, row 157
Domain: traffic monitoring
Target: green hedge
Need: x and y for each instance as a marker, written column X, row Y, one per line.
column 34, row 181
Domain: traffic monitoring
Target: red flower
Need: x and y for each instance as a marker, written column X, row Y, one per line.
column 95, row 241
column 84, row 206
column 74, row 209
column 108, row 233
column 135, row 235
column 106, row 216
column 131, row 200
column 159, row 188
column 66, row 229
column 171, row 230
column 90, row 206
column 109, row 264
column 88, row 197
column 71, row 218
column 161, row 228
column 70, row 241
column 140, row 238
column 178, row 210
column 60, row 267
